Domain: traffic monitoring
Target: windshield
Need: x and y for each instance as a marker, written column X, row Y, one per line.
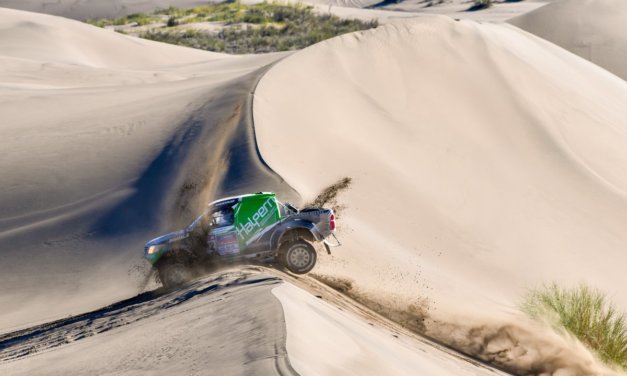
column 198, row 222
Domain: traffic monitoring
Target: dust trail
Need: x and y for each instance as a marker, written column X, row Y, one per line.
column 149, row 277
column 519, row 347
column 409, row 314
column 203, row 172
column 144, row 276
column 330, row 193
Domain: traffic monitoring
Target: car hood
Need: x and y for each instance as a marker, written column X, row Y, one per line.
column 168, row 238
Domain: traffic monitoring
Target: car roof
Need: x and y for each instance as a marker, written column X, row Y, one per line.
column 235, row 199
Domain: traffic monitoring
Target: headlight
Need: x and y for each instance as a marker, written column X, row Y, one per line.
column 152, row 249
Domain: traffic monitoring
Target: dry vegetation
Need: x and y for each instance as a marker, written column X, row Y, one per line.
column 585, row 313
column 237, row 28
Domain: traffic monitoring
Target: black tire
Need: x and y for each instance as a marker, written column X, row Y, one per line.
column 174, row 274
column 299, row 256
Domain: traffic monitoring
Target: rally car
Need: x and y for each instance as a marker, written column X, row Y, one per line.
column 254, row 227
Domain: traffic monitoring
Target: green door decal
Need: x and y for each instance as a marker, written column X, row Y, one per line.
column 254, row 215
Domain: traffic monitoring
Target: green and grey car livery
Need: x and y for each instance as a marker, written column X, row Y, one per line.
column 246, row 226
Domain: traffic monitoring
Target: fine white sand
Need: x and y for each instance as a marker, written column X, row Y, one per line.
column 485, row 160
column 227, row 324
column 324, row 340
column 592, row 29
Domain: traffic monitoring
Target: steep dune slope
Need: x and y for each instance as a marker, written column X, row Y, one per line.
column 107, row 142
column 485, row 160
column 592, row 29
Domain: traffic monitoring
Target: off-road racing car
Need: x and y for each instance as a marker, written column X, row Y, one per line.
column 253, row 227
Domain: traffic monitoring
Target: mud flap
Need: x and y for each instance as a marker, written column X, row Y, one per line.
column 328, row 246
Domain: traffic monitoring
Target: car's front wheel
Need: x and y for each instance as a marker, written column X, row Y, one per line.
column 299, row 257
column 173, row 273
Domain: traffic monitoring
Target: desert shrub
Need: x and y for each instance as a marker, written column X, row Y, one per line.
column 480, row 4
column 173, row 12
column 99, row 23
column 258, row 28
column 172, row 22
column 138, row 19
column 585, row 313
column 271, row 27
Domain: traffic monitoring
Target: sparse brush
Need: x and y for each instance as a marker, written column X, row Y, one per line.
column 586, row 313
column 138, row 19
column 172, row 22
column 480, row 4
column 257, row 28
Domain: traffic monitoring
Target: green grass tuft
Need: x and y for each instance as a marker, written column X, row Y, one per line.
column 586, row 313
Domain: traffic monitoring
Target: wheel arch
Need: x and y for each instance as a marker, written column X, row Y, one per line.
column 175, row 254
column 294, row 231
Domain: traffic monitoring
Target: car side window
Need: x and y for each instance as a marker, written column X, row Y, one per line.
column 286, row 209
column 282, row 209
column 222, row 217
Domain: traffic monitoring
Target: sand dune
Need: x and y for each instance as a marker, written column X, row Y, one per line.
column 362, row 9
column 324, row 340
column 53, row 40
column 205, row 328
column 100, row 133
column 485, row 160
column 238, row 321
column 458, row 9
column 86, row 9
column 592, row 29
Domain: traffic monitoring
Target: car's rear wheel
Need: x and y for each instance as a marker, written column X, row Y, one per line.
column 174, row 273
column 299, row 257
